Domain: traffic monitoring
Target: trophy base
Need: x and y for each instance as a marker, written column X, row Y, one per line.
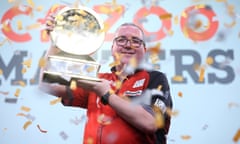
column 55, row 77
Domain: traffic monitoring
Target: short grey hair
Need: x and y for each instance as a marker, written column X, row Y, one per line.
column 131, row 24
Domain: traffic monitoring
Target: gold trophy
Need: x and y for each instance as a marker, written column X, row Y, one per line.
column 78, row 33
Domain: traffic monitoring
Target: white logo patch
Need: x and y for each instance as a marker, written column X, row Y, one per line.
column 139, row 83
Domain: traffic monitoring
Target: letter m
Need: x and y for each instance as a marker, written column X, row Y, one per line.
column 15, row 62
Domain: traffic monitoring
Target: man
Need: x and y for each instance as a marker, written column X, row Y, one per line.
column 112, row 117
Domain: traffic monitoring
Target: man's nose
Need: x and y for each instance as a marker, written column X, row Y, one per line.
column 128, row 44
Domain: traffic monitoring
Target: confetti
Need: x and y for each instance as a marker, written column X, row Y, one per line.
column 159, row 119
column 26, row 109
column 19, row 25
column 30, row 117
column 63, row 135
column 30, row 3
column 90, row 141
column 55, row 101
column 43, row 131
column 177, row 78
column 33, row 26
column 39, row 8
column 180, row 94
column 185, row 137
column 236, row 137
column 3, row 42
column 5, row 26
column 230, row 25
column 209, row 60
column 233, row 104
column 159, row 87
column 24, row 70
column 11, row 100
column 104, row 120
column 27, row 63
column 21, row 114
column 17, row 92
column 73, row 85
column 201, row 76
column 118, row 84
column 76, row 121
column 175, row 20
column 27, row 124
column 21, row 83
column 165, row 16
column 4, row 92
column 170, row 112
column 42, row 62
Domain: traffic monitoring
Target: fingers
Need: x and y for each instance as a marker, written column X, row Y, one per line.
column 50, row 23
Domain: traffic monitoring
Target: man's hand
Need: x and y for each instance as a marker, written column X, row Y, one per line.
column 50, row 23
column 100, row 88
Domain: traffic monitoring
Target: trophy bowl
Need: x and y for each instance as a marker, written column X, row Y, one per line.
column 78, row 33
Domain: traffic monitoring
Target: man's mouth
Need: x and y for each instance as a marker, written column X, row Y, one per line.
column 129, row 53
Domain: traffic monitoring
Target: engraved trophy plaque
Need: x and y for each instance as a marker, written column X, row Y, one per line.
column 78, row 33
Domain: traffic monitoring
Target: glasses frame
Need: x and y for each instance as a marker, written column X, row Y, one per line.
column 129, row 40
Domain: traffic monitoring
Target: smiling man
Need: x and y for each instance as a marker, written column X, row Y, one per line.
column 112, row 117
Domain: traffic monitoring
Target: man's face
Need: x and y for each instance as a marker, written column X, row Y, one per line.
column 128, row 44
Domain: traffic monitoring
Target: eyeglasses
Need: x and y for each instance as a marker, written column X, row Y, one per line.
column 134, row 41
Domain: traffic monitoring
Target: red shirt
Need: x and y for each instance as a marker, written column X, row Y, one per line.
column 104, row 125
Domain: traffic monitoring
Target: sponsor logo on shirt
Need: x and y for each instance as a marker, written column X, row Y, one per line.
column 139, row 83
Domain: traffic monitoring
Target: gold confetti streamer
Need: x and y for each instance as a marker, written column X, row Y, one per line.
column 236, row 137
column 209, row 60
column 26, row 125
column 102, row 120
column 26, row 109
column 73, row 85
column 6, row 27
column 39, row 8
column 21, row 114
column 3, row 42
column 201, row 76
column 165, row 16
column 17, row 92
column 31, row 3
column 159, row 88
column 27, row 63
column 185, row 137
column 24, row 70
column 159, row 119
column 230, row 25
column 118, row 84
column 176, row 21
column 90, row 69
column 33, row 26
column 42, row 62
column 90, row 141
column 55, row 101
column 170, row 112
column 177, row 78
column 180, row 94
column 21, row 83
column 19, row 25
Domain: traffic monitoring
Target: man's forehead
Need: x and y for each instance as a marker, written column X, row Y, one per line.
column 129, row 31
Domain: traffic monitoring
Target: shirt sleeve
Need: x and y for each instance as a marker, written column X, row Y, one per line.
column 162, row 100
column 76, row 98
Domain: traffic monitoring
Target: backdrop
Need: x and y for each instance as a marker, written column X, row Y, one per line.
column 199, row 52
